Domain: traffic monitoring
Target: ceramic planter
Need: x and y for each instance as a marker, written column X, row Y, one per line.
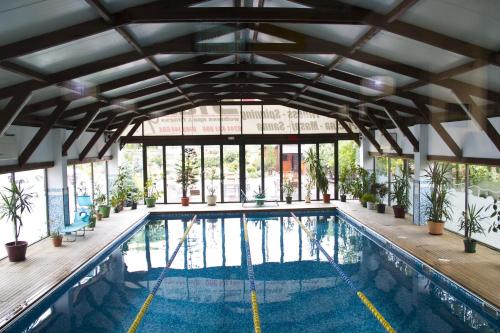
column 470, row 245
column 363, row 203
column 326, row 198
column 16, row 252
column 185, row 201
column 133, row 205
column 381, row 208
column 288, row 200
column 307, row 199
column 150, row 202
column 371, row 205
column 57, row 241
column 105, row 210
column 399, row 211
column 260, row 201
column 435, row 228
column 211, row 200
column 343, row 198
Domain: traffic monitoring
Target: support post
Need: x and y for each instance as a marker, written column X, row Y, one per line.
column 421, row 163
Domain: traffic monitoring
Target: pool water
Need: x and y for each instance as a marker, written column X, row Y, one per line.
column 207, row 287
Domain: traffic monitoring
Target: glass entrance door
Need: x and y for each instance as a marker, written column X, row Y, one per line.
column 253, row 169
column 231, row 170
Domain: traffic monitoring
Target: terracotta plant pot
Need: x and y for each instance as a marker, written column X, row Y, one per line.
column 381, row 208
column 435, row 228
column 470, row 245
column 399, row 212
column 185, row 201
column 57, row 241
column 326, row 198
column 343, row 198
column 16, row 252
column 99, row 216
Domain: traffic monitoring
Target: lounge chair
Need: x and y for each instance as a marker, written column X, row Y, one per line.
column 81, row 222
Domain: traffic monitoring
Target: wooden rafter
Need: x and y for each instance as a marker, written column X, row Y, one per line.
column 366, row 133
column 401, row 125
column 96, row 136
column 42, row 132
column 385, row 133
column 116, row 135
column 77, row 132
column 12, row 110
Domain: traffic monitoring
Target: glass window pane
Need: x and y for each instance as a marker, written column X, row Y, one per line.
column 231, row 119
column 100, row 177
column 34, row 223
column 290, row 167
column 305, row 178
column 231, row 158
column 252, row 119
column 173, row 158
column 457, row 196
column 280, row 119
column 166, row 125
column 71, row 191
column 6, row 230
column 382, row 172
column 155, row 168
column 272, row 171
column 83, row 179
column 203, row 120
column 311, row 123
column 132, row 156
column 327, row 159
column 253, row 170
column 484, row 189
column 212, row 170
column 195, row 189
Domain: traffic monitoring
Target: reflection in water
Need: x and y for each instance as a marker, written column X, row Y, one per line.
column 207, row 290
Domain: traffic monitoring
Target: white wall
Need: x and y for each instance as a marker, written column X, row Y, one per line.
column 45, row 151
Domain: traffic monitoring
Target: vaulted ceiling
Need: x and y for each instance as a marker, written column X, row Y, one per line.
column 102, row 65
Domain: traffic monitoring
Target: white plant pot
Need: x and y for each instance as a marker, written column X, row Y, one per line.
column 371, row 205
column 308, row 199
column 211, row 200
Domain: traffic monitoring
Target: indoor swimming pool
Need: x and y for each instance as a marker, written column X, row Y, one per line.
column 320, row 271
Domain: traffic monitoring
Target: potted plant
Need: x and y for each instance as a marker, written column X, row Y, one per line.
column 400, row 194
column 317, row 173
column 115, row 203
column 381, row 193
column 187, row 174
column 150, row 193
column 260, row 197
column 211, row 197
column 57, row 238
column 437, row 207
column 470, row 223
column 134, row 198
column 344, row 183
column 103, row 209
column 371, row 200
column 288, row 189
column 15, row 201
column 357, row 183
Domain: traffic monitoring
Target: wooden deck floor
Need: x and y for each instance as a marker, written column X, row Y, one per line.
column 21, row 284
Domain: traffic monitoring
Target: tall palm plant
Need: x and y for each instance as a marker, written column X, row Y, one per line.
column 438, row 207
column 15, row 201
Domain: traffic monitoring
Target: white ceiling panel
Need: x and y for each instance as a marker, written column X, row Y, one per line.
column 146, row 97
column 151, row 33
column 133, row 87
column 81, row 102
column 47, row 93
column 215, row 3
column 379, row 6
column 230, row 59
column 367, row 71
column 282, row 3
column 437, row 92
column 266, row 61
column 476, row 21
column 411, row 52
column 21, row 19
column 166, row 59
column 349, row 86
column 324, row 92
column 117, row 72
column 76, row 53
column 319, row 59
column 118, row 5
column 7, row 78
column 486, row 77
column 344, row 34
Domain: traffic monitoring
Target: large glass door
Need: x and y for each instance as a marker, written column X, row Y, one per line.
column 212, row 170
column 253, row 169
column 155, row 169
column 195, row 191
column 290, row 167
column 173, row 160
column 306, row 181
column 231, row 169
column 272, row 172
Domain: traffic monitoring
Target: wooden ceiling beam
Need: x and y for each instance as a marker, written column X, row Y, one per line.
column 12, row 110
column 102, row 128
column 366, row 133
column 116, row 135
column 401, row 125
column 82, row 127
column 385, row 133
column 42, row 132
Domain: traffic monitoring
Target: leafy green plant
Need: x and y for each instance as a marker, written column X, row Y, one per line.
column 470, row 221
column 316, row 170
column 369, row 197
column 381, row 192
column 15, row 201
column 401, row 190
column 437, row 207
column 150, row 189
column 212, row 176
column 188, row 175
column 495, row 217
column 259, row 194
column 288, row 187
column 99, row 197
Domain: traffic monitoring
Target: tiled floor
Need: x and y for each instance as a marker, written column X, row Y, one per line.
column 21, row 284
